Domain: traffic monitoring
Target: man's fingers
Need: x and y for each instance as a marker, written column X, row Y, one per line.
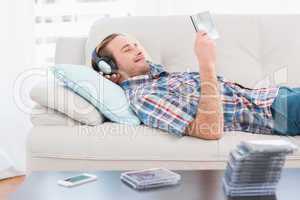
column 113, row 77
column 202, row 33
column 203, row 37
column 116, row 76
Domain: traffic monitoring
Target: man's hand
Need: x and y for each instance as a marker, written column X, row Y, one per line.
column 205, row 49
column 208, row 123
column 114, row 78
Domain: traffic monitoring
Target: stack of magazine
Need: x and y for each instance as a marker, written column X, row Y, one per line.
column 150, row 178
column 254, row 167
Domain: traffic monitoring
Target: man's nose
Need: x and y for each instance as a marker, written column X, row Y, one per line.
column 139, row 52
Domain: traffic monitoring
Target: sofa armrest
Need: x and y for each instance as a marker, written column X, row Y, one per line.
column 70, row 50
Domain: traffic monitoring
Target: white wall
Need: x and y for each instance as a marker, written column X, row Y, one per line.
column 147, row 8
column 237, row 6
column 169, row 7
column 16, row 50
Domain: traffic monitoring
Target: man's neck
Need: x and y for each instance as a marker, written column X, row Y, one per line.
column 125, row 77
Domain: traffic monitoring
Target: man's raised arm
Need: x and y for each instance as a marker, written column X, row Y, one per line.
column 208, row 123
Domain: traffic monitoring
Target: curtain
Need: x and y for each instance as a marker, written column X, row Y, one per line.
column 16, row 50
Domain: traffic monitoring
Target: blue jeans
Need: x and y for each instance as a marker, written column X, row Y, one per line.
column 286, row 111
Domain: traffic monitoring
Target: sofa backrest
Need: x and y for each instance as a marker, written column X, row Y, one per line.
column 254, row 50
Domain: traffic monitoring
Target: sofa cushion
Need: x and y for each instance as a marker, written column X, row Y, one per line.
column 280, row 52
column 111, row 141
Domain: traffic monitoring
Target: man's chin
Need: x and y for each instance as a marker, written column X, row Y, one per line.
column 141, row 64
column 142, row 68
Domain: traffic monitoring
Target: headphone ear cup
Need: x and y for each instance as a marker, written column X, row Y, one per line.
column 104, row 64
column 113, row 65
column 107, row 65
column 104, row 67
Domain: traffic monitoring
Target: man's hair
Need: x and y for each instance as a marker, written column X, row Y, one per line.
column 101, row 49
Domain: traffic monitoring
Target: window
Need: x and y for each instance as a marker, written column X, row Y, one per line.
column 55, row 18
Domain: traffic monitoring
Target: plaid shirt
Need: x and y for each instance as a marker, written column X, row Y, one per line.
column 169, row 101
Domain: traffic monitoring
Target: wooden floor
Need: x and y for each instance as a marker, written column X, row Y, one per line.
column 9, row 186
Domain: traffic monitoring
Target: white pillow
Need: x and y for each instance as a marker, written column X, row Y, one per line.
column 105, row 95
column 52, row 94
column 44, row 116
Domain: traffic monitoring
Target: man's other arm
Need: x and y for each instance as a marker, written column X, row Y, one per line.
column 208, row 123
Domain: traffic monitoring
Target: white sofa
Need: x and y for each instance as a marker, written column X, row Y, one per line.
column 254, row 50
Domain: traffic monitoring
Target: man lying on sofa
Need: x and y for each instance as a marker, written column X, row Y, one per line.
column 183, row 105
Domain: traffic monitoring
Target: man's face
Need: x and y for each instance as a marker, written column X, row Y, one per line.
column 130, row 57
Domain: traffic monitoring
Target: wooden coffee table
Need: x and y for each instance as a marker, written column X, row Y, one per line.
column 198, row 185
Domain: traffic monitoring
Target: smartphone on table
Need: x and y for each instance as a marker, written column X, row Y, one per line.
column 77, row 180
